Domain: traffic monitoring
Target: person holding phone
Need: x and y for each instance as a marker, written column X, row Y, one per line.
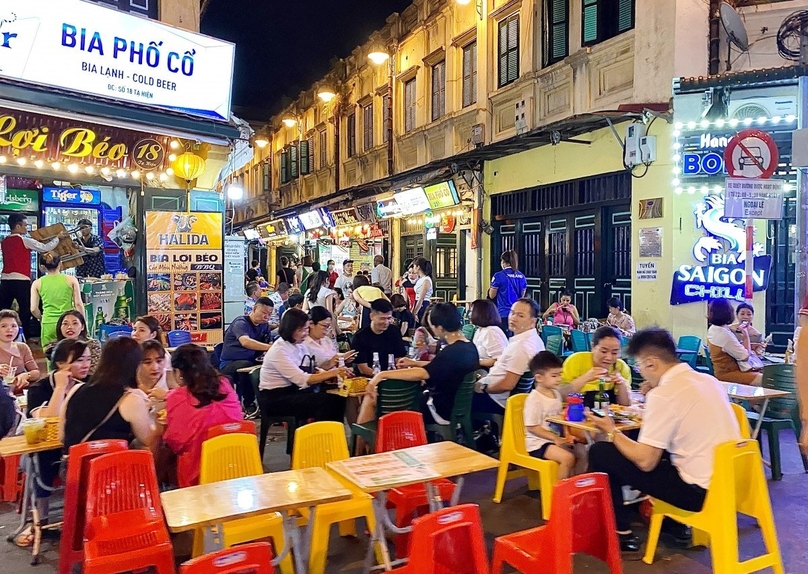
column 745, row 314
column 564, row 313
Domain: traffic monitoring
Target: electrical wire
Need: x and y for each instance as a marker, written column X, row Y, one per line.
column 789, row 36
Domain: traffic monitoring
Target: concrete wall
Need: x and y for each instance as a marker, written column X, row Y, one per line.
column 180, row 13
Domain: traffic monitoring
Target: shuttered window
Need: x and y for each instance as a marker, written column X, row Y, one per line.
column 266, row 175
column 409, row 106
column 294, row 164
column 323, row 148
column 556, row 31
column 470, row 74
column 307, row 155
column 284, row 166
column 604, row 19
column 351, row 134
column 438, row 90
column 386, row 117
column 367, row 127
column 508, row 50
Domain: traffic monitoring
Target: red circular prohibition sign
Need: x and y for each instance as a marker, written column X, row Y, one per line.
column 751, row 154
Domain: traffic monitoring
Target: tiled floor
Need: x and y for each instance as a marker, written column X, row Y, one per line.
column 521, row 509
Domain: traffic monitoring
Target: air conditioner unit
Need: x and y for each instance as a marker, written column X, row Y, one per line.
column 766, row 107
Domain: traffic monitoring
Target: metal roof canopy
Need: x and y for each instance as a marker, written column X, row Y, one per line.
column 744, row 79
column 67, row 104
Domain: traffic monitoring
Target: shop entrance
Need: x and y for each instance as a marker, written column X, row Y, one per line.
column 585, row 248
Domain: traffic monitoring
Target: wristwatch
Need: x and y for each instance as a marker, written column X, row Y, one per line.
column 610, row 435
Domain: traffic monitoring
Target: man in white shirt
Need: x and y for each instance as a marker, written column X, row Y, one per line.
column 381, row 275
column 345, row 280
column 279, row 297
column 687, row 415
column 495, row 388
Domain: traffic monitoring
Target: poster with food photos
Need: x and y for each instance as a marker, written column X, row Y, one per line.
column 184, row 266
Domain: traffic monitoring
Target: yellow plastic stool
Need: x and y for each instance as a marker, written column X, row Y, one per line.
column 541, row 474
column 315, row 445
column 235, row 456
column 738, row 485
column 743, row 420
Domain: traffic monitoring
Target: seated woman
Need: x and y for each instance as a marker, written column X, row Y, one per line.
column 203, row 399
column 733, row 359
column 151, row 375
column 442, row 376
column 583, row 372
column 402, row 316
column 619, row 319
column 147, row 328
column 745, row 314
column 108, row 407
column 364, row 294
column 16, row 356
column 489, row 338
column 423, row 339
column 319, row 342
column 564, row 313
column 72, row 325
column 285, row 388
column 70, row 364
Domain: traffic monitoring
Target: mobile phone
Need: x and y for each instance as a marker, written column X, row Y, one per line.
column 598, row 413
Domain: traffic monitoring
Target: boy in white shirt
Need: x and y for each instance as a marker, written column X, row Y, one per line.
column 542, row 440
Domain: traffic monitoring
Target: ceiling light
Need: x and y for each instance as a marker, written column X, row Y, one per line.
column 73, row 168
column 289, row 121
column 21, row 160
column 89, row 169
column 135, row 174
column 261, row 142
column 378, row 57
column 169, row 171
column 326, row 94
column 172, row 157
column 39, row 163
column 174, row 144
column 56, row 165
column 105, row 170
column 150, row 176
column 2, row 159
column 163, row 177
column 121, row 173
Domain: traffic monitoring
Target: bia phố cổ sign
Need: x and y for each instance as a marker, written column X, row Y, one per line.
column 87, row 48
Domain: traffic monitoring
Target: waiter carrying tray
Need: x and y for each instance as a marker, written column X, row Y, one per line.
column 15, row 279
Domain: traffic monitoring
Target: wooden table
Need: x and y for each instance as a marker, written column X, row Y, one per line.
column 444, row 459
column 209, row 506
column 588, row 428
column 18, row 446
column 740, row 392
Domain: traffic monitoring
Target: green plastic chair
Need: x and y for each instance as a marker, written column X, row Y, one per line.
column 461, row 414
column 548, row 331
column 689, row 343
column 580, row 341
column 782, row 414
column 707, row 367
column 468, row 331
column 394, row 395
column 555, row 344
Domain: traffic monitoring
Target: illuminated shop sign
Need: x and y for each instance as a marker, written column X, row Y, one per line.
column 708, row 158
column 311, row 220
column 293, row 225
column 387, row 207
column 720, row 254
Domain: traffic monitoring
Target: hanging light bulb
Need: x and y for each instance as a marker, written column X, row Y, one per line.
column 150, row 176
column 135, row 174
column 56, row 165
column 73, row 168
column 121, row 173
column 3, row 159
column 169, row 171
column 89, row 169
column 39, row 163
column 21, row 160
column 105, row 170
column 163, row 177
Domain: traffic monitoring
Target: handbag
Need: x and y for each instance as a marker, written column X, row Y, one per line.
column 752, row 363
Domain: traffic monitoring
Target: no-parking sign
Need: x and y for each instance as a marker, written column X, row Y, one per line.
column 751, row 154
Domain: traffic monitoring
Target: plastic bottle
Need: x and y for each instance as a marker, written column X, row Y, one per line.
column 340, row 379
column 377, row 368
column 391, row 362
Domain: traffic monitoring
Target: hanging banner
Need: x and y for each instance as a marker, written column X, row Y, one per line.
column 184, row 255
column 100, row 51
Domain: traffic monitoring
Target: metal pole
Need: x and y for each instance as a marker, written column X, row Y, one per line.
column 749, row 266
column 802, row 207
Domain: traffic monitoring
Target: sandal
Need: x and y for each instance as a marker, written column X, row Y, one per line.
column 25, row 539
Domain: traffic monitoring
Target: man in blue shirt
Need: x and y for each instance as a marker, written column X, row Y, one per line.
column 245, row 340
column 253, row 293
column 507, row 286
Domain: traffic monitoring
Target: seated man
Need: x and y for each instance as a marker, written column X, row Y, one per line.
column 244, row 341
column 495, row 388
column 380, row 336
column 279, row 298
column 253, row 294
column 687, row 415
column 444, row 374
column 295, row 301
column 584, row 371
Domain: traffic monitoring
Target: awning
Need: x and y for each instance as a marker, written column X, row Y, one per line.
column 62, row 104
column 742, row 79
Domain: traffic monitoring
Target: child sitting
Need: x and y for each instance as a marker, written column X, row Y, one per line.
column 542, row 440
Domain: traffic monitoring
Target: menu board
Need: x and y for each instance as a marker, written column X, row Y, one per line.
column 274, row 229
column 412, row 200
column 293, row 225
column 184, row 255
column 442, row 194
column 311, row 220
column 343, row 217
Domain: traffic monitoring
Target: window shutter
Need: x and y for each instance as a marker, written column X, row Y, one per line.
column 503, row 53
column 625, row 15
column 556, row 46
column 590, row 21
column 266, row 176
column 310, row 155
column 385, row 116
column 294, row 167
column 285, row 166
column 323, row 148
column 513, row 49
column 367, row 127
column 305, row 167
column 470, row 74
column 438, row 90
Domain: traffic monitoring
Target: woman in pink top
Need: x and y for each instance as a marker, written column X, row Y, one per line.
column 203, row 400
column 564, row 312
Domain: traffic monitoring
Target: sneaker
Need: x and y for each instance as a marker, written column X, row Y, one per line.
column 252, row 412
column 630, row 495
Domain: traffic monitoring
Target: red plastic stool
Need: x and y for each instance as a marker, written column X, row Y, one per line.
column 125, row 528
column 581, row 521
column 71, row 549
column 449, row 541
column 252, row 558
column 10, row 484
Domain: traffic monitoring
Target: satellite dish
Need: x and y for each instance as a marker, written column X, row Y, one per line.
column 734, row 27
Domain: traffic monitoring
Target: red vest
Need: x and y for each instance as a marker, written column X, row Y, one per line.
column 16, row 256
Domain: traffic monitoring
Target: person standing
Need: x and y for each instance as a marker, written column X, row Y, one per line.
column 381, row 275
column 58, row 293
column 303, row 271
column 15, row 279
column 345, row 281
column 423, row 287
column 304, row 285
column 254, row 272
column 92, row 251
column 332, row 273
column 507, row 286
column 672, row 459
column 286, row 274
